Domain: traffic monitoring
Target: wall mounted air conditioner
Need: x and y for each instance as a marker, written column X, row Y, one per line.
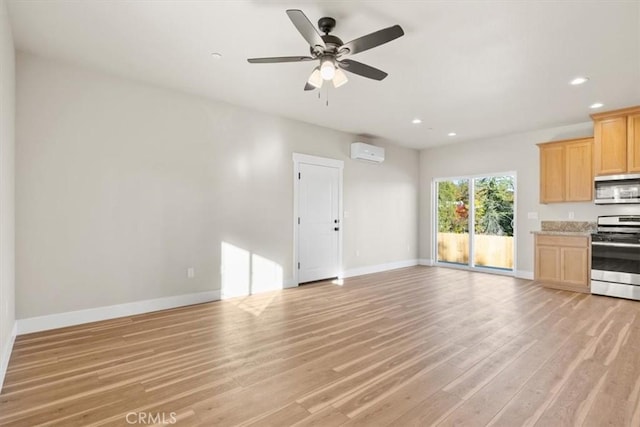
column 370, row 153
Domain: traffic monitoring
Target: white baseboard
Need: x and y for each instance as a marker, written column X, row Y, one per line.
column 289, row 283
column 6, row 353
column 378, row 268
column 522, row 274
column 71, row 318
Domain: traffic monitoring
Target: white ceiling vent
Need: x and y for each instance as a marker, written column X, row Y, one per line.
column 370, row 153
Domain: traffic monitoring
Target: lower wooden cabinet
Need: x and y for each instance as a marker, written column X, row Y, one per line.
column 563, row 262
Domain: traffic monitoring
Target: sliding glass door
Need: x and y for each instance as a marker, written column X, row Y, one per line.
column 475, row 221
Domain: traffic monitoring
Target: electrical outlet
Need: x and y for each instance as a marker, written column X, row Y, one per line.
column 357, row 252
column 572, row 215
column 191, row 272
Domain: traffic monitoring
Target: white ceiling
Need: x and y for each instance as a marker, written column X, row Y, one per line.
column 479, row 68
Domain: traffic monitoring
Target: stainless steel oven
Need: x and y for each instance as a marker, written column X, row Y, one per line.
column 615, row 257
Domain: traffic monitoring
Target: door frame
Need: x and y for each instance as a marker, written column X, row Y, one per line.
column 299, row 159
column 434, row 223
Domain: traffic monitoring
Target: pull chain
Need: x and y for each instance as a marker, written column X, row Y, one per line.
column 327, row 94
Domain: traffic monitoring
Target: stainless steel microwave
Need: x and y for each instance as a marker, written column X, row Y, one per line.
column 617, row 189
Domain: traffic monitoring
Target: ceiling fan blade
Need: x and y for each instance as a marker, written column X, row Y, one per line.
column 361, row 69
column 372, row 40
column 306, row 28
column 308, row 86
column 276, row 59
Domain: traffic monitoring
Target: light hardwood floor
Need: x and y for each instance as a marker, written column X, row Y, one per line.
column 416, row 346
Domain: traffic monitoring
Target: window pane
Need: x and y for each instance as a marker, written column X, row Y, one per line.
column 493, row 222
column 453, row 221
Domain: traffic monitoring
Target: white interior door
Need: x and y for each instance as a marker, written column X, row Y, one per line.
column 319, row 222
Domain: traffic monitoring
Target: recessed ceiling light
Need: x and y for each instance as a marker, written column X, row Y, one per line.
column 596, row 105
column 416, row 121
column 216, row 55
column 579, row 81
column 452, row 134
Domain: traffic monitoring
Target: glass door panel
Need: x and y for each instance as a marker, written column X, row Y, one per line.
column 453, row 221
column 493, row 199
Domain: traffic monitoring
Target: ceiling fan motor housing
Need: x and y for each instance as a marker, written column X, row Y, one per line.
column 332, row 44
column 326, row 24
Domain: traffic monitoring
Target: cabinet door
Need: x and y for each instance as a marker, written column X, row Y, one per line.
column 575, row 266
column 547, row 264
column 610, row 146
column 579, row 171
column 552, row 173
column 633, row 143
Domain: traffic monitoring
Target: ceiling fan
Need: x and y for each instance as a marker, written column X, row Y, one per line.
column 331, row 51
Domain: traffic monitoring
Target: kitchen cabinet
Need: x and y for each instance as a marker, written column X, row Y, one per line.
column 633, row 143
column 617, row 141
column 563, row 262
column 552, row 170
column 579, row 170
column 566, row 171
column 547, row 263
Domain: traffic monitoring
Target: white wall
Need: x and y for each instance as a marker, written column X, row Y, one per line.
column 7, row 205
column 517, row 153
column 122, row 186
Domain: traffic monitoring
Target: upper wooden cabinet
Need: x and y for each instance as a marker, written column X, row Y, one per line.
column 633, row 143
column 617, row 141
column 552, row 173
column 579, row 170
column 566, row 171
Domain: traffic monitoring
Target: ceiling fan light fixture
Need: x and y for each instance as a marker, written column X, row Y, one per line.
column 315, row 79
column 327, row 68
column 340, row 78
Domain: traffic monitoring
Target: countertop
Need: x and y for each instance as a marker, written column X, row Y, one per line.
column 563, row 233
column 566, row 228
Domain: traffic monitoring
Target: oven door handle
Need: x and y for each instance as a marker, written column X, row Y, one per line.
column 617, row 245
